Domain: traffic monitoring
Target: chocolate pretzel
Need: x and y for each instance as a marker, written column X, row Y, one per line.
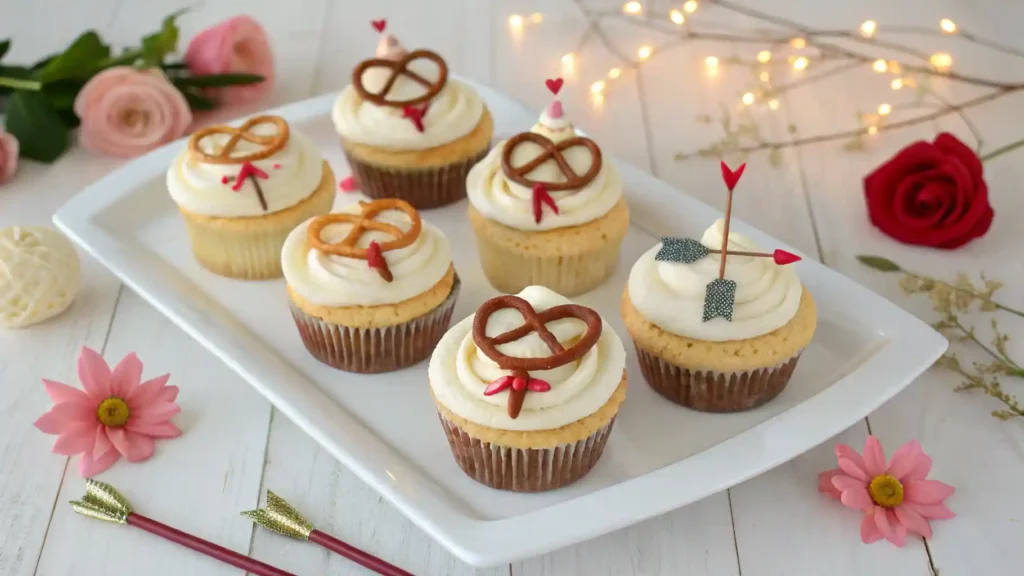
column 363, row 222
column 552, row 151
column 271, row 144
column 398, row 68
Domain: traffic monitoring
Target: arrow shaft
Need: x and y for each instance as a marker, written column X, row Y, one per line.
column 259, row 191
column 742, row 253
column 355, row 554
column 725, row 235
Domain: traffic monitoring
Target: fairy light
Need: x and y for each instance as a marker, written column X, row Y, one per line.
column 884, row 109
column 800, row 63
column 764, row 56
column 690, row 6
column 515, row 22
column 748, row 98
column 896, row 84
column 644, row 52
column 941, row 61
column 948, row 26
column 773, row 104
column 614, row 73
column 798, row 43
column 598, row 99
column 764, row 76
column 676, row 17
column 536, row 18
column 597, row 87
column 872, row 130
column 568, row 63
column 880, row 66
column 867, row 28
column 633, row 8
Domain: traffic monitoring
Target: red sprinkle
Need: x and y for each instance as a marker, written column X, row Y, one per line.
column 540, row 198
column 224, row 180
column 379, row 25
column 503, row 383
column 415, row 115
column 349, row 184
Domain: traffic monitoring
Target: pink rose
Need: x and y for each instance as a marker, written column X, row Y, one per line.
column 8, row 156
column 237, row 45
column 126, row 112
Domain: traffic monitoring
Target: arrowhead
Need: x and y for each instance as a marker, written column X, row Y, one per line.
column 244, row 172
column 732, row 177
column 782, row 257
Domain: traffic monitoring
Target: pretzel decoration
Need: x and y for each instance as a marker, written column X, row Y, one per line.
column 398, row 68
column 519, row 381
column 270, row 144
column 552, row 151
column 362, row 222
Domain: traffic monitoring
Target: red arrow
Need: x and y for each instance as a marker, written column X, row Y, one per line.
column 541, row 197
column 251, row 172
column 375, row 259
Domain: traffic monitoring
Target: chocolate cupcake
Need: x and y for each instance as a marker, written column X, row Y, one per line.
column 408, row 130
column 527, row 390
column 371, row 287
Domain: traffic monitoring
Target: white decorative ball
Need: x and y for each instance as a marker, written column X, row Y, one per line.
column 39, row 275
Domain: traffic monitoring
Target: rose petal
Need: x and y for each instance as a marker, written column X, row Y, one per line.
column 874, row 457
column 94, row 374
column 126, row 376
column 927, row 491
column 913, row 521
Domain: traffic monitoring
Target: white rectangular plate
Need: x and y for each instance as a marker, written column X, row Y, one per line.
column 385, row 428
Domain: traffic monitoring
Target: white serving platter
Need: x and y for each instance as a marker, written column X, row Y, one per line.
column 385, row 428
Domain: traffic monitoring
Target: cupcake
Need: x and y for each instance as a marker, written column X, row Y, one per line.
column 408, row 130
column 547, row 209
column 717, row 336
column 242, row 190
column 527, row 390
column 371, row 287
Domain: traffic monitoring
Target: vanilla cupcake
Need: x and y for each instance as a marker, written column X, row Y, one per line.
column 371, row 287
column 527, row 405
column 408, row 130
column 696, row 347
column 242, row 190
column 547, row 209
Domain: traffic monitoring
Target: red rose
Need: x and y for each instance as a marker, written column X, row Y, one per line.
column 930, row 194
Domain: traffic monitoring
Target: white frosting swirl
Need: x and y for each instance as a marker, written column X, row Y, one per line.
column 338, row 281
column 511, row 204
column 459, row 372
column 452, row 114
column 670, row 295
column 294, row 173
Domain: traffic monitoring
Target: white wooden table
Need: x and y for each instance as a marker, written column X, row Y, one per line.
column 235, row 445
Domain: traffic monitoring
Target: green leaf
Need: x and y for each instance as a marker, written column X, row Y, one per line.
column 40, row 131
column 213, row 80
column 157, row 46
column 5, row 45
column 44, row 61
column 80, row 60
column 175, row 66
column 13, row 72
column 879, row 263
column 197, row 102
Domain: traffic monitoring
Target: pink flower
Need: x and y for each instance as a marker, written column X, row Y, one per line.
column 115, row 416
column 126, row 112
column 237, row 45
column 8, row 156
column 896, row 498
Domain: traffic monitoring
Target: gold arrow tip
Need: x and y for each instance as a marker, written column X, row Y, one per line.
column 280, row 517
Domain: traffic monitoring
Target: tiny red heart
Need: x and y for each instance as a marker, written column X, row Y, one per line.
column 554, row 84
column 349, row 184
column 379, row 25
column 782, row 257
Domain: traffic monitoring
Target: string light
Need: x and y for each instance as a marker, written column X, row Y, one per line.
column 568, row 63
column 614, row 73
column 676, row 16
column 798, row 43
column 536, row 18
column 872, row 130
column 515, row 22
column 896, row 84
column 773, row 104
column 764, row 56
column 800, row 63
column 597, row 87
column 598, row 99
column 867, row 29
column 690, row 6
column 634, row 8
column 644, row 52
column 941, row 61
column 948, row 26
column 895, row 67
column 884, row 109
column 880, row 66
column 764, row 76
column 748, row 98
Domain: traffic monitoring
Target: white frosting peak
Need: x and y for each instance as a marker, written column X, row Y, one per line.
column 459, row 372
column 671, row 294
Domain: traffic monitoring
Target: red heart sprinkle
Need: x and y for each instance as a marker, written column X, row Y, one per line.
column 538, row 385
column 554, row 84
column 349, row 184
column 782, row 257
column 731, row 177
column 379, row 25
column 498, row 385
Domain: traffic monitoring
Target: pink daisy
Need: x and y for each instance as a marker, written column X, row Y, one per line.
column 115, row 416
column 896, row 498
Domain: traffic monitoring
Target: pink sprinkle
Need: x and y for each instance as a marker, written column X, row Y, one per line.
column 555, row 110
column 349, row 184
column 277, row 166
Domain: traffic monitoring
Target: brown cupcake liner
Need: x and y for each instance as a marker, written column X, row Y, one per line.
column 426, row 187
column 524, row 469
column 374, row 350
column 709, row 391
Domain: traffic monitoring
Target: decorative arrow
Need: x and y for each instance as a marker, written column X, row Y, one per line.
column 103, row 502
column 415, row 115
column 720, row 297
column 540, row 198
column 375, row 258
column 282, row 518
column 248, row 171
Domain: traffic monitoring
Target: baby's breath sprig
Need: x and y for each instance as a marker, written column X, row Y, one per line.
column 950, row 300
